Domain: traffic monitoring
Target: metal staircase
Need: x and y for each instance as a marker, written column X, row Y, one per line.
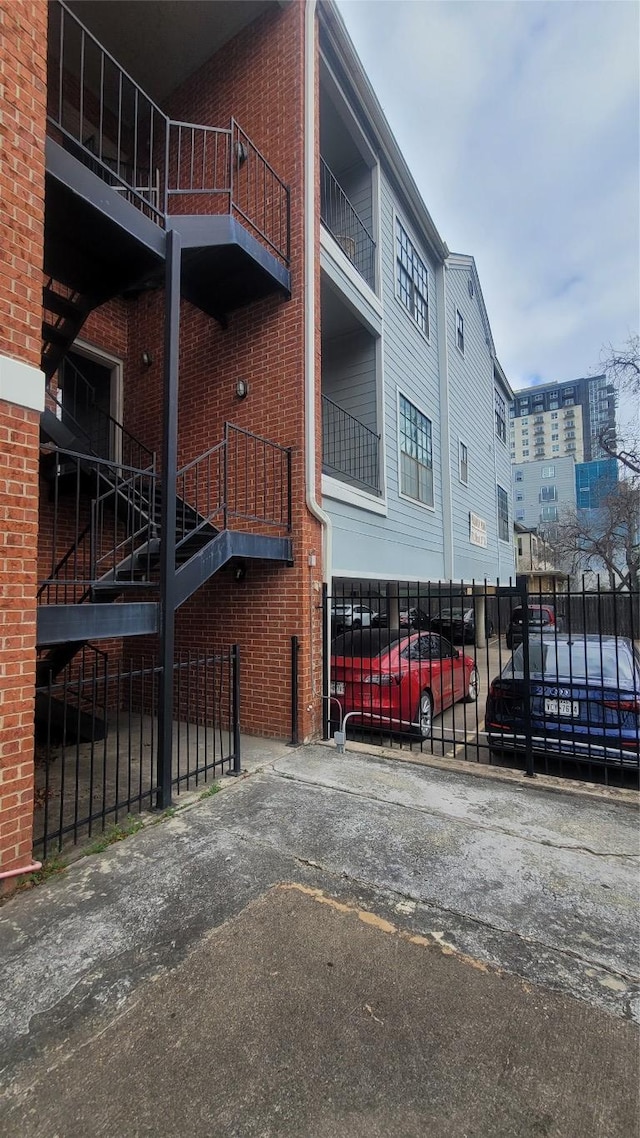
column 115, row 510
column 64, row 313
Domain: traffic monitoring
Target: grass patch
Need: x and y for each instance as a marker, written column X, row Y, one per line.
column 211, row 790
column 117, row 832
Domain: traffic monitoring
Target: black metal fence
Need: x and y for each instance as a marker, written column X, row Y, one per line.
column 96, row 731
column 343, row 222
column 509, row 675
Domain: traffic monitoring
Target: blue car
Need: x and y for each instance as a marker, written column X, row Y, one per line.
column 585, row 699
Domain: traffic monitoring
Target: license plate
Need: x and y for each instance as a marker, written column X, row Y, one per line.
column 337, row 688
column 565, row 708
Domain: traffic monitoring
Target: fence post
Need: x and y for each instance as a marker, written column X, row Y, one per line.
column 523, row 592
column 295, row 653
column 326, row 650
column 235, row 707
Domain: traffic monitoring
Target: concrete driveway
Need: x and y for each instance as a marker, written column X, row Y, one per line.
column 335, row 947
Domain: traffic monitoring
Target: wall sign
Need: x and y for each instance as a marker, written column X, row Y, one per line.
column 477, row 530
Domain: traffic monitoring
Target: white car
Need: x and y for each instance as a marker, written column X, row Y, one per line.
column 345, row 615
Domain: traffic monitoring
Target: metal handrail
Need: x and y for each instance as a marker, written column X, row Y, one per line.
column 241, row 173
column 349, row 448
column 345, row 225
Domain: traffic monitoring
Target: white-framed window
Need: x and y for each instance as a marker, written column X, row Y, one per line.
column 549, row 514
column 463, row 463
column 459, row 331
column 412, row 279
column 554, row 414
column 548, row 494
column 519, row 496
column 501, row 416
column 519, row 476
column 548, row 472
column 556, row 449
column 525, row 454
column 554, row 438
column 520, row 518
column 416, row 453
column 503, row 514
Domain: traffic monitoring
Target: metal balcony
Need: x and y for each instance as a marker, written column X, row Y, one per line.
column 350, row 450
column 345, row 226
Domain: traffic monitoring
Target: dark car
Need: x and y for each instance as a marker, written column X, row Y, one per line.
column 584, row 698
column 398, row 681
column 542, row 618
column 459, row 625
column 407, row 618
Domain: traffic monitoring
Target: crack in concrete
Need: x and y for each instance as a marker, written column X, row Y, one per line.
column 462, row 916
column 469, row 823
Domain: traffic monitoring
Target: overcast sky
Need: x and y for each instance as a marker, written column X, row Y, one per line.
column 520, row 123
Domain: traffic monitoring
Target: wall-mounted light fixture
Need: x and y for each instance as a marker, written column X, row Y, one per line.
column 147, row 358
column 242, row 389
column 239, row 572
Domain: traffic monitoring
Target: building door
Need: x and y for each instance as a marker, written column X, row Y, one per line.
column 87, row 386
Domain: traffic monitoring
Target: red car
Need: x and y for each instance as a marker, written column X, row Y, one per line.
column 398, row 680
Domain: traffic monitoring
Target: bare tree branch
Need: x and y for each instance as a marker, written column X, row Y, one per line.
column 603, row 539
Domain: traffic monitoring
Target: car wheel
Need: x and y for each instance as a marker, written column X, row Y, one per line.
column 425, row 716
column 473, row 687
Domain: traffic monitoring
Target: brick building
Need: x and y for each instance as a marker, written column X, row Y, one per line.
column 233, row 341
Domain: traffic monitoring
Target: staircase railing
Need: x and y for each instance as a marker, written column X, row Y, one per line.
column 88, row 541
column 100, row 114
column 245, row 478
column 104, row 435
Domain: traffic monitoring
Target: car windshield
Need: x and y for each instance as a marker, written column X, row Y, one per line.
column 536, row 616
column 365, row 644
column 597, row 662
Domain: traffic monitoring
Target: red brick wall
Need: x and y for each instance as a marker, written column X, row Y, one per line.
column 23, row 38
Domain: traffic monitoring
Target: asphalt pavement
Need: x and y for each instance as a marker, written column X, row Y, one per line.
column 335, row 945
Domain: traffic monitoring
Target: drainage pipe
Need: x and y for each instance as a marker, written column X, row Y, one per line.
column 6, row 873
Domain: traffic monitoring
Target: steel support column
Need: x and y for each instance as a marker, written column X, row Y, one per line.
column 168, row 516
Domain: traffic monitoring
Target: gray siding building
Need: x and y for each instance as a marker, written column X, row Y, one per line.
column 542, row 490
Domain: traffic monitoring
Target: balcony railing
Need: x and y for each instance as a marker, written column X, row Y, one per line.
column 344, row 224
column 100, row 114
column 349, row 449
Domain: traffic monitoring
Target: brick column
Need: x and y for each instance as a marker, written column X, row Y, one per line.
column 23, row 46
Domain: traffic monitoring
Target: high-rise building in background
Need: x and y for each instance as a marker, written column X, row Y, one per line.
column 558, row 462
column 562, row 419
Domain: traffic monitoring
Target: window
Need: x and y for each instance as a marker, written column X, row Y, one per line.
column 519, row 496
column 519, row 476
column 555, row 449
column 412, row 282
column 548, row 494
column 501, row 416
column 539, row 419
column 520, row 518
column 548, row 472
column 554, row 438
column 525, row 454
column 416, row 454
column 554, row 415
column 464, row 464
column 503, row 514
column 525, row 422
column 549, row 514
column 460, row 330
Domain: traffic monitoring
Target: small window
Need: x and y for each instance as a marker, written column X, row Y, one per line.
column 554, row 414
column 503, row 514
column 501, row 416
column 460, row 330
column 555, row 449
column 464, row 464
column 412, row 280
column 519, row 496
column 549, row 514
column 520, row 518
column 548, row 472
column 416, row 454
column 525, row 454
column 548, row 494
column 519, row 476
column 554, row 438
